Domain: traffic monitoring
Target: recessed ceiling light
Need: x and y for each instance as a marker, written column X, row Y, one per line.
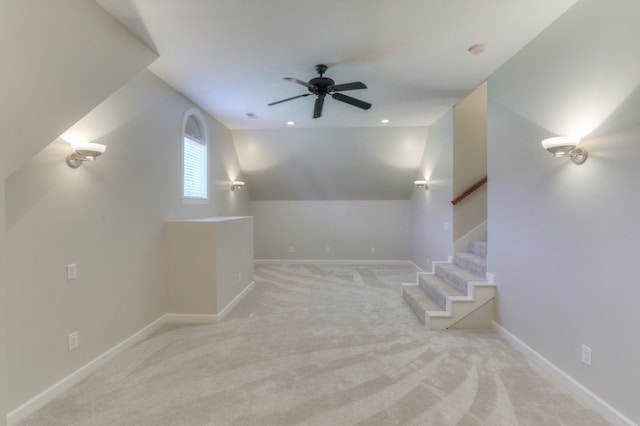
column 385, row 120
column 476, row 49
column 291, row 123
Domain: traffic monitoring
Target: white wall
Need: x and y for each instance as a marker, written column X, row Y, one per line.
column 208, row 263
column 432, row 209
column 59, row 60
column 564, row 238
column 470, row 161
column 349, row 228
column 374, row 163
column 107, row 217
column 4, row 318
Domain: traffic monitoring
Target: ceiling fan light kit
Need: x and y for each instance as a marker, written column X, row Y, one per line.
column 323, row 86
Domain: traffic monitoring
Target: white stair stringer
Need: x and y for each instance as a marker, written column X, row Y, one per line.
column 455, row 294
column 459, row 307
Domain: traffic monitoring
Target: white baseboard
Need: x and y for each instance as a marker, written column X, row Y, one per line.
column 223, row 313
column 329, row 262
column 39, row 401
column 49, row 394
column 190, row 319
column 578, row 390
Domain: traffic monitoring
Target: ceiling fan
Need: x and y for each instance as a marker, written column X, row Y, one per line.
column 323, row 86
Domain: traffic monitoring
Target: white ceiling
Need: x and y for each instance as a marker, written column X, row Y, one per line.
column 230, row 57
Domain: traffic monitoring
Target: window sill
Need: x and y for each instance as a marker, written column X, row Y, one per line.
column 193, row 200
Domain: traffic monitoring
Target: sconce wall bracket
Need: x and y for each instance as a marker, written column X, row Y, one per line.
column 74, row 160
column 422, row 184
column 578, row 155
column 237, row 185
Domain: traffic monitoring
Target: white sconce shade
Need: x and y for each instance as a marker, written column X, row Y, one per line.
column 560, row 146
column 237, row 184
column 422, row 184
column 86, row 151
column 565, row 146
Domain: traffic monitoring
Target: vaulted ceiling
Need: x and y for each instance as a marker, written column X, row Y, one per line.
column 230, row 58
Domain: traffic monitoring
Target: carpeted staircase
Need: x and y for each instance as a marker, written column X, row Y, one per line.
column 455, row 294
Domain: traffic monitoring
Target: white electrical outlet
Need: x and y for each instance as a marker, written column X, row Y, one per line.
column 445, row 226
column 239, row 277
column 327, row 249
column 372, row 249
column 72, row 272
column 292, row 249
column 585, row 354
column 73, row 340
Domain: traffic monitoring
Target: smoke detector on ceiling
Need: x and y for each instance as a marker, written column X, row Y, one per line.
column 476, row 49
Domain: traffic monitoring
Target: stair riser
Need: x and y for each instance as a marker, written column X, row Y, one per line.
column 475, row 268
column 433, row 293
column 414, row 305
column 453, row 280
column 479, row 248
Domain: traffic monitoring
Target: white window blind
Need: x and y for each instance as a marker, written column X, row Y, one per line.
column 195, row 169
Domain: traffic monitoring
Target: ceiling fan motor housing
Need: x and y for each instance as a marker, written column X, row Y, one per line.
column 323, row 86
column 320, row 85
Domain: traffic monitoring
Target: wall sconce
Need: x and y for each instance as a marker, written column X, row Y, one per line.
column 237, row 184
column 84, row 152
column 565, row 146
column 421, row 184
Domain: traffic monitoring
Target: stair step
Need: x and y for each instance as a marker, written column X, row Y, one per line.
column 455, row 276
column 471, row 262
column 479, row 248
column 437, row 289
column 418, row 300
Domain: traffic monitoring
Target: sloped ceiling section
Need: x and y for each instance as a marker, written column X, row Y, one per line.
column 330, row 164
column 230, row 56
column 60, row 59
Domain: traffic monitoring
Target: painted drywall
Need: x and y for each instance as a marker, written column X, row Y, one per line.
column 349, row 228
column 3, row 313
column 51, row 78
column 431, row 211
column 376, row 163
column 208, row 263
column 470, row 160
column 234, row 254
column 59, row 60
column 564, row 238
column 107, row 217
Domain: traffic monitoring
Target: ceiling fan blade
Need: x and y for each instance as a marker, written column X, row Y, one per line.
column 317, row 108
column 351, row 101
column 348, row 86
column 289, row 99
column 300, row 82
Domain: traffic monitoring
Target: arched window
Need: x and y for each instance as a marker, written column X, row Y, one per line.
column 194, row 156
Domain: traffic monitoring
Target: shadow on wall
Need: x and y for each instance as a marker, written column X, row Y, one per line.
column 38, row 177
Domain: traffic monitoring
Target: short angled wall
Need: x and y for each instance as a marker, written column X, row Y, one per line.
column 208, row 263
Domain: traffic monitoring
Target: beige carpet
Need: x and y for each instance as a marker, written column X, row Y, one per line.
column 319, row 345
